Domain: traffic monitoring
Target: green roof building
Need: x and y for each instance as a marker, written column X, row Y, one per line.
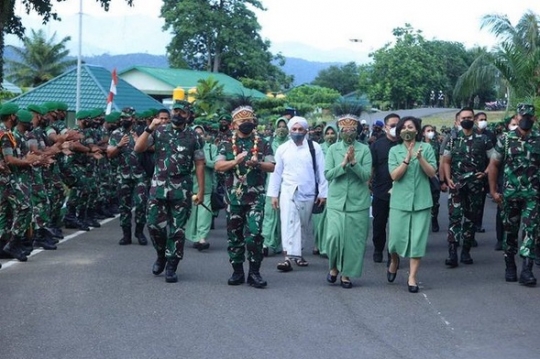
column 95, row 86
column 160, row 82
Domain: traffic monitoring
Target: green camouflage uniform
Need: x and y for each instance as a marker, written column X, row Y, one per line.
column 246, row 201
column 520, row 158
column 171, row 188
column 40, row 201
column 468, row 157
column 54, row 177
column 7, row 143
column 132, row 190
column 77, row 177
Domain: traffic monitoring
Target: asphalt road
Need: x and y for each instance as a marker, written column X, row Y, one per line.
column 95, row 299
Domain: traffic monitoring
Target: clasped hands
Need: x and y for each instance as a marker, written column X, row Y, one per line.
column 349, row 157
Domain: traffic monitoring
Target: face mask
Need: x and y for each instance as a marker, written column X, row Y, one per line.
column 43, row 123
column 526, row 122
column 482, row 124
column 125, row 124
column 467, row 124
column 297, row 137
column 95, row 124
column 348, row 137
column 246, row 128
column 407, row 135
column 28, row 127
column 430, row 135
column 330, row 138
column 282, row 132
column 392, row 132
column 223, row 128
column 178, row 121
column 513, row 127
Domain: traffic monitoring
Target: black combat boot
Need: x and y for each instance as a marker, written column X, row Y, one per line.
column 170, row 270
column 254, row 278
column 510, row 274
column 159, row 264
column 452, row 260
column 42, row 240
column 14, row 249
column 89, row 218
column 465, row 257
column 139, row 234
column 97, row 213
column 70, row 219
column 537, row 254
column 526, row 277
column 238, row 276
column 126, row 239
column 27, row 246
column 434, row 224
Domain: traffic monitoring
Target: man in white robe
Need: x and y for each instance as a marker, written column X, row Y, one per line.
column 295, row 182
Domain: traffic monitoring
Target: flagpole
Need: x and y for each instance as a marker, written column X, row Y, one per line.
column 79, row 61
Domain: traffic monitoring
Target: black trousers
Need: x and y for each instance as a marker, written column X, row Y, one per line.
column 380, row 210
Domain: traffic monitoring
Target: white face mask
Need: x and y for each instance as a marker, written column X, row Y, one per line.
column 482, row 124
column 430, row 135
column 392, row 132
column 512, row 127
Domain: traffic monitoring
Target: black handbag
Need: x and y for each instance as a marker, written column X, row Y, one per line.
column 217, row 201
column 317, row 208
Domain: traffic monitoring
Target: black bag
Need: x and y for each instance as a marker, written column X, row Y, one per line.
column 317, row 208
column 217, row 200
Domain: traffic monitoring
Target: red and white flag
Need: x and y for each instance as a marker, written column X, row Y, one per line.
column 112, row 92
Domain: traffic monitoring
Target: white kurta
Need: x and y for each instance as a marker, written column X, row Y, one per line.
column 293, row 180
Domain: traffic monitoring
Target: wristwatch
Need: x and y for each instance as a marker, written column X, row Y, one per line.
column 148, row 130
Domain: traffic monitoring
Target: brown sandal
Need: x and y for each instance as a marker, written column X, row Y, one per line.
column 285, row 266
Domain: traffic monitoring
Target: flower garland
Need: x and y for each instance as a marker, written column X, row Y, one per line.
column 254, row 157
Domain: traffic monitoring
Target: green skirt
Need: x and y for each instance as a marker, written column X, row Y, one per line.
column 408, row 232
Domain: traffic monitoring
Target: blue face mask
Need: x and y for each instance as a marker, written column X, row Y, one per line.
column 297, row 137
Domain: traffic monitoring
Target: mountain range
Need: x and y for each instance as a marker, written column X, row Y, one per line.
column 304, row 71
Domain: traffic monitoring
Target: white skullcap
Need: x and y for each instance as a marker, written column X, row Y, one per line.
column 363, row 122
column 298, row 120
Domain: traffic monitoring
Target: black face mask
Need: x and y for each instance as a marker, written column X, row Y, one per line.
column 467, row 124
column 246, row 128
column 28, row 127
column 526, row 122
column 125, row 124
column 95, row 124
column 43, row 123
column 178, row 121
column 113, row 127
column 223, row 128
column 15, row 123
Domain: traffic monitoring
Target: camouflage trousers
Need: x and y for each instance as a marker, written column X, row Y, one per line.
column 515, row 212
column 244, row 227
column 79, row 185
column 15, row 203
column 40, row 204
column 163, row 214
column 56, row 193
column 464, row 204
column 133, row 192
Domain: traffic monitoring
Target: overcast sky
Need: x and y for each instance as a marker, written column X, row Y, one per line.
column 317, row 30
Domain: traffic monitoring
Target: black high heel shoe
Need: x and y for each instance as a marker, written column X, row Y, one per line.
column 345, row 284
column 392, row 276
column 412, row 288
column 331, row 278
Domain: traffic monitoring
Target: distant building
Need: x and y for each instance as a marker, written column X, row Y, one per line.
column 8, row 86
column 160, row 82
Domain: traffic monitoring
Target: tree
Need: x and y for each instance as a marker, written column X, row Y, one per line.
column 309, row 98
column 516, row 60
column 209, row 99
column 41, row 59
column 12, row 24
column 343, row 79
column 222, row 36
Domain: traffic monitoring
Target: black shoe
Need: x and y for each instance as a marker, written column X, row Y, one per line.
column 412, row 288
column 126, row 238
column 238, row 276
column 265, row 251
column 345, row 284
column 465, row 257
column 377, row 256
column 170, row 270
column 57, row 233
column 44, row 244
column 498, row 246
column 139, row 234
column 201, row 246
column 14, row 250
column 331, row 278
column 159, row 265
column 481, row 230
column 510, row 273
column 434, row 225
column 255, row 280
column 452, row 260
column 474, row 243
column 391, row 277
column 526, row 277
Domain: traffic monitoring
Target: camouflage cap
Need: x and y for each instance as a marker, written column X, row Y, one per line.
column 8, row 109
column 525, row 109
column 24, row 116
column 37, row 109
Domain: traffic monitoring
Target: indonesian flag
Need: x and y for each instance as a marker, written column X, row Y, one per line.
column 112, row 92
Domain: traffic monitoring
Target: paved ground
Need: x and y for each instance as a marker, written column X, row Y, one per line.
column 95, row 299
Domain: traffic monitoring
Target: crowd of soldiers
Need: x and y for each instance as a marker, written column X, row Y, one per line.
column 53, row 177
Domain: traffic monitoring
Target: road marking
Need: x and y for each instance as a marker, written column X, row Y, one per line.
column 36, row 251
column 446, row 322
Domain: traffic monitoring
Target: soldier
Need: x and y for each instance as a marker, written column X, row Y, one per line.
column 429, row 136
column 464, row 166
column 518, row 151
column 177, row 149
column 15, row 190
column 133, row 189
column 224, row 130
column 245, row 159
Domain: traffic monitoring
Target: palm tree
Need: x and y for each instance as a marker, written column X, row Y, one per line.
column 515, row 62
column 40, row 60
